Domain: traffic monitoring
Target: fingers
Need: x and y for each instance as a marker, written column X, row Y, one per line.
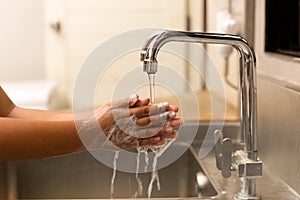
column 135, row 101
column 166, row 131
column 175, row 122
column 149, row 126
column 132, row 101
column 156, row 120
column 152, row 109
column 142, row 102
column 147, row 132
column 172, row 108
column 157, row 140
column 149, row 109
column 127, row 102
column 154, row 141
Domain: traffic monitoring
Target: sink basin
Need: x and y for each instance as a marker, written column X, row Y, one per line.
column 179, row 179
column 84, row 177
column 81, row 176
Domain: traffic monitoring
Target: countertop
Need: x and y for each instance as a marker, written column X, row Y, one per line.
column 269, row 186
column 204, row 99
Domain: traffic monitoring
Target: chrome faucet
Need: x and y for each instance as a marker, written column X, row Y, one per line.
column 246, row 161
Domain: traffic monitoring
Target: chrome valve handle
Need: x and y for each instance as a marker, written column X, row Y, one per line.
column 223, row 151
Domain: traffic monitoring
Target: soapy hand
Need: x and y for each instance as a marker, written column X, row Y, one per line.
column 133, row 122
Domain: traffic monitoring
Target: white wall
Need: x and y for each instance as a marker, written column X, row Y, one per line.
column 237, row 9
column 21, row 40
column 87, row 24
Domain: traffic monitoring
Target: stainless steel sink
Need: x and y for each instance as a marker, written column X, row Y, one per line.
column 81, row 176
column 179, row 179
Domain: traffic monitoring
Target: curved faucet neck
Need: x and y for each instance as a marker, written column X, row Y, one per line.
column 248, row 107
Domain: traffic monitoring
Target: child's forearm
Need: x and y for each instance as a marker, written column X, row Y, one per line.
column 28, row 139
column 32, row 114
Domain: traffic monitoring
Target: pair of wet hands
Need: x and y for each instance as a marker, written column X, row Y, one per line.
column 133, row 122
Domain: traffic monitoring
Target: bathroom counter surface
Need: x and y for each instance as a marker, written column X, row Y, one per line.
column 205, row 105
column 269, row 186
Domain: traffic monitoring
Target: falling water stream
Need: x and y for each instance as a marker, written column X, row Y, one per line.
column 116, row 156
column 154, row 174
column 151, row 78
column 146, row 161
column 138, row 180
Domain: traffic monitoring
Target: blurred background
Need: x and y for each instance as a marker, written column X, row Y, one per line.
column 44, row 43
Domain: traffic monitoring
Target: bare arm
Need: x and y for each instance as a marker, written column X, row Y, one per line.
column 31, row 134
column 30, row 139
column 6, row 105
column 9, row 109
column 33, row 114
column 28, row 133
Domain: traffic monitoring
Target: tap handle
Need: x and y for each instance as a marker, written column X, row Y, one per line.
column 218, row 136
column 226, row 157
column 223, row 153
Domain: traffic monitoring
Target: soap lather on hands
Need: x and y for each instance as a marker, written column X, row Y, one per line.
column 133, row 122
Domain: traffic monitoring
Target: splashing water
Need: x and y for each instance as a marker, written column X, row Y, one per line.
column 144, row 150
column 138, row 180
column 146, row 160
column 154, row 175
column 114, row 174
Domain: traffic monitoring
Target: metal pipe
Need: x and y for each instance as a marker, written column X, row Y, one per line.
column 248, row 189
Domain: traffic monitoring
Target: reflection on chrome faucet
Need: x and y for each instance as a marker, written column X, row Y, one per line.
column 245, row 161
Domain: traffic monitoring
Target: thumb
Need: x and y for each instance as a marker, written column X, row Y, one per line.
column 126, row 102
column 133, row 99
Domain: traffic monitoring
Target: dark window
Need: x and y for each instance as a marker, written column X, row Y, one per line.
column 282, row 27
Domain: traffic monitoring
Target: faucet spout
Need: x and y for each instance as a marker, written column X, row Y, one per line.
column 247, row 83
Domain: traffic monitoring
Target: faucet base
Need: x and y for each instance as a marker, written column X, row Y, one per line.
column 242, row 196
column 248, row 190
